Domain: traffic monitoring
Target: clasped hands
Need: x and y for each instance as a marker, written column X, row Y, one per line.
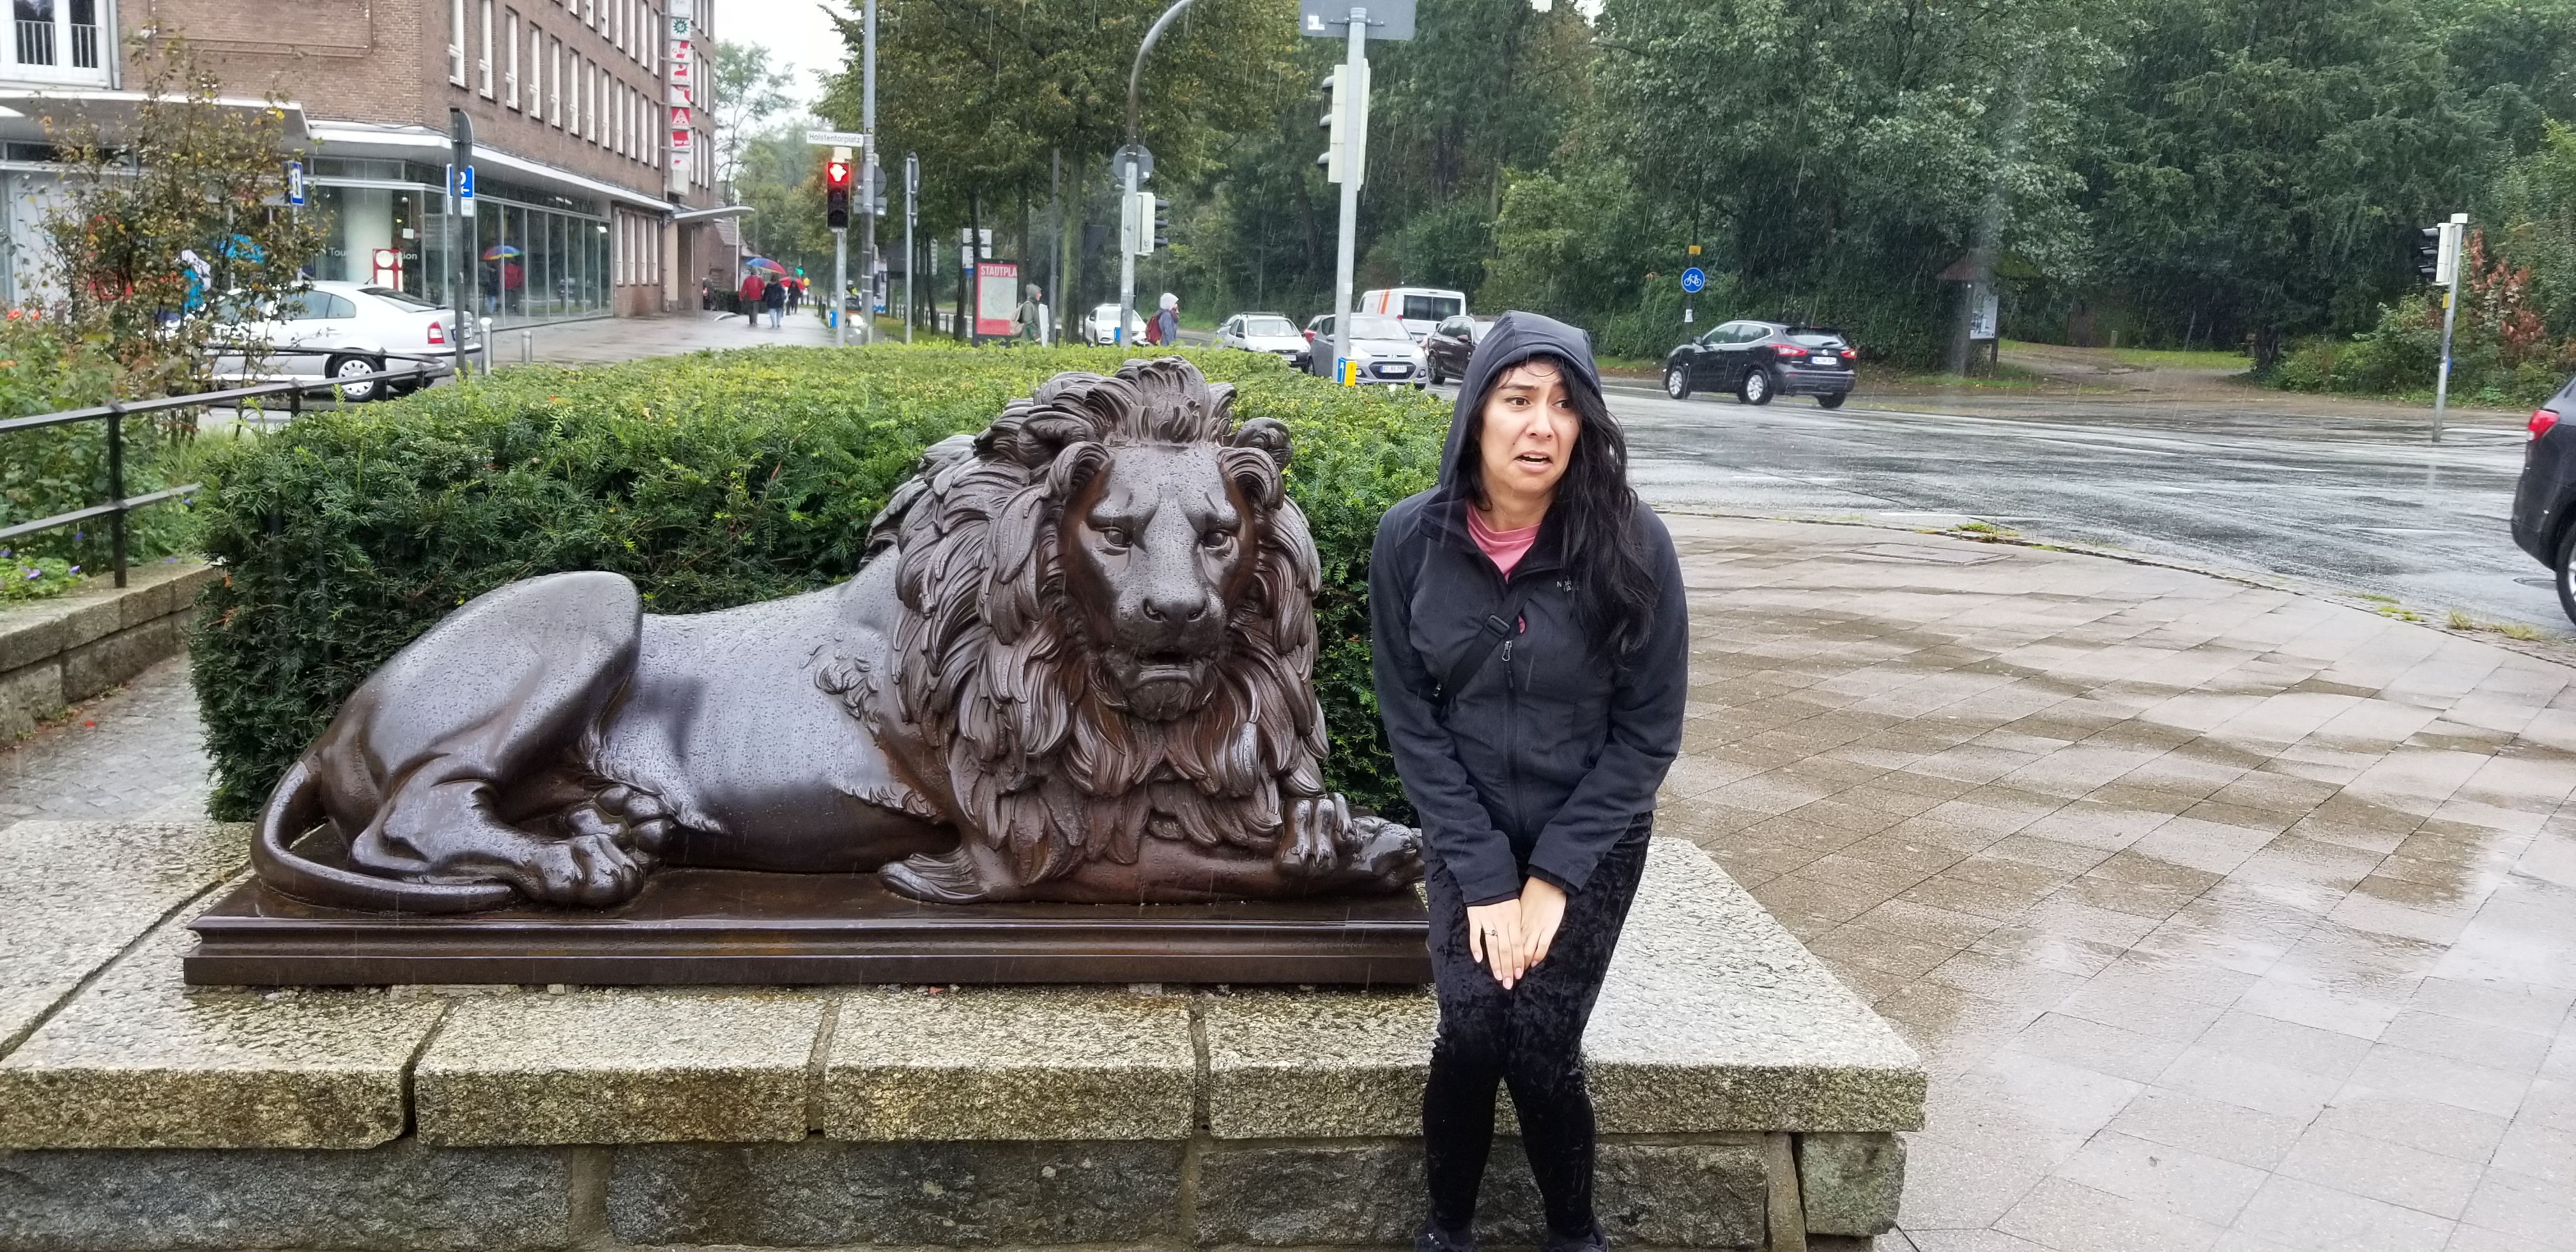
column 1511, row 936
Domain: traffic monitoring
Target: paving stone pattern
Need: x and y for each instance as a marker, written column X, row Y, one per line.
column 2225, row 918
column 138, row 753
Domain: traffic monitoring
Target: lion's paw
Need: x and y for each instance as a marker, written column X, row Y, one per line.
column 588, row 869
column 1317, row 836
column 1386, row 852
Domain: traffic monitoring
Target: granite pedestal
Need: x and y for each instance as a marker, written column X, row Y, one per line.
column 1747, row 1099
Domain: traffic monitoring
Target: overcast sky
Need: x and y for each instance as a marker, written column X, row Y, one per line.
column 794, row 32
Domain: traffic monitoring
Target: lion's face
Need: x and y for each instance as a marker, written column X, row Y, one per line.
column 1156, row 549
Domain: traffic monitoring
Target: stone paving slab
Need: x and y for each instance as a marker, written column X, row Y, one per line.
column 138, row 1061
column 74, row 894
column 1017, row 1063
column 1712, row 1019
column 618, row 1067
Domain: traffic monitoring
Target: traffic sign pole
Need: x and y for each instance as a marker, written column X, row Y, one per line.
column 1354, row 143
column 2452, row 233
column 840, row 273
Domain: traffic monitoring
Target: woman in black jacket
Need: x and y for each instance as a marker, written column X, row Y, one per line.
column 1532, row 656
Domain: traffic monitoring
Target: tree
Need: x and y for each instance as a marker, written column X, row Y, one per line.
column 987, row 92
column 174, row 223
column 749, row 91
column 2267, row 159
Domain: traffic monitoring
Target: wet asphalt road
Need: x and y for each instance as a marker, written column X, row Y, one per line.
column 2354, row 502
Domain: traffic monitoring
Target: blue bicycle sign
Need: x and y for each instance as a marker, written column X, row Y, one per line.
column 1693, row 280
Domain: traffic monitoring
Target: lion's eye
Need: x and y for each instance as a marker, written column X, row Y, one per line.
column 1114, row 536
column 1217, row 538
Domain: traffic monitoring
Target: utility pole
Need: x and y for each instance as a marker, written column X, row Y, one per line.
column 2447, row 275
column 911, row 255
column 1346, row 159
column 1135, row 164
column 872, row 187
column 1354, row 159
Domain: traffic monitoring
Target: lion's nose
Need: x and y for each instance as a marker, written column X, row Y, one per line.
column 1175, row 608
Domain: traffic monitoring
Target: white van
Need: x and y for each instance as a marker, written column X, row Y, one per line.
column 1422, row 308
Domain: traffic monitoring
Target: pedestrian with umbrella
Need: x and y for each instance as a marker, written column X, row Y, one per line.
column 774, row 299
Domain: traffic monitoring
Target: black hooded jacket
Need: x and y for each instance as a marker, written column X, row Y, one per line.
column 1549, row 752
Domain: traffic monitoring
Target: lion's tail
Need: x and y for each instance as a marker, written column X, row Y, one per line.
column 293, row 809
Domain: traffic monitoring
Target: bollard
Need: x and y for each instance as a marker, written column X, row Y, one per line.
column 487, row 347
column 527, row 347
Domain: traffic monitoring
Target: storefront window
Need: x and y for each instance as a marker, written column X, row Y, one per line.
column 529, row 263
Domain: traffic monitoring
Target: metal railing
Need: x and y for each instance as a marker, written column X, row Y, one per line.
column 424, row 368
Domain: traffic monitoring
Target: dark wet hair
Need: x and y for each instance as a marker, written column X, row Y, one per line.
column 1593, row 517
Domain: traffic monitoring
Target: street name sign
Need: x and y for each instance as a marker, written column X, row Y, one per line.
column 1331, row 19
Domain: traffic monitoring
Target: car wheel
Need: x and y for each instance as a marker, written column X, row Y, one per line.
column 1831, row 399
column 357, row 367
column 1437, row 377
column 1677, row 382
column 1756, row 387
column 2567, row 572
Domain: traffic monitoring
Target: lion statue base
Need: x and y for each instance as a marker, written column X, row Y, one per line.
column 1074, row 665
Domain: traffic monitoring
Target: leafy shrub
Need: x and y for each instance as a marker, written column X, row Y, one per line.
column 2501, row 350
column 57, row 469
column 711, row 480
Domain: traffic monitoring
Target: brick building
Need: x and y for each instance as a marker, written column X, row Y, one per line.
column 594, row 176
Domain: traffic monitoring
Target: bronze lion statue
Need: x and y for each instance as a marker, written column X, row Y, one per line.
column 1074, row 664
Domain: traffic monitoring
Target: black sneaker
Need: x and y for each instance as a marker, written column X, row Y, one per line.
column 1434, row 1239
column 1589, row 1241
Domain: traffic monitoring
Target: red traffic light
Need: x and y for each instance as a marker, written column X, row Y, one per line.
column 836, row 175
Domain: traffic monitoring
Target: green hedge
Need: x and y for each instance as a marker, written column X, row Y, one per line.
column 711, row 480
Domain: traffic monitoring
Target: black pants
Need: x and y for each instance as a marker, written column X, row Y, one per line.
column 1530, row 1037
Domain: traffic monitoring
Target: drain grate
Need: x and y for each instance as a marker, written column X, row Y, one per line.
column 1922, row 554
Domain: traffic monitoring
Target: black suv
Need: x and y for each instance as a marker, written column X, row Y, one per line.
column 2544, row 505
column 1759, row 360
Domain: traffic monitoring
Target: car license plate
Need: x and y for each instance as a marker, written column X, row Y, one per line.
column 1393, row 371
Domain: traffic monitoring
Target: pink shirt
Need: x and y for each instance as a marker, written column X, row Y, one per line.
column 1504, row 547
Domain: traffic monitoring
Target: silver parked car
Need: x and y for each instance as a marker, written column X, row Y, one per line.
column 1264, row 332
column 1382, row 348
column 342, row 332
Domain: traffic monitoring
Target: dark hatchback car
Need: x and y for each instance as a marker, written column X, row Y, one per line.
column 1446, row 349
column 1759, row 360
column 2544, row 504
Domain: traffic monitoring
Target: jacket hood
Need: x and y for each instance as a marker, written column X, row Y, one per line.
column 1514, row 338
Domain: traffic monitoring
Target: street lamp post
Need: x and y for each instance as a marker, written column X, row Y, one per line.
column 1131, row 175
column 868, row 185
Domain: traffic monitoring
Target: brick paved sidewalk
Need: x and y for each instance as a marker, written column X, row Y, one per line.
column 2227, row 918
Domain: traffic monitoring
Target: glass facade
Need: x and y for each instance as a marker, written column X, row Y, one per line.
column 537, row 256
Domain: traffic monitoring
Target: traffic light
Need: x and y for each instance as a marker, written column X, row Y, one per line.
column 2428, row 254
column 1344, row 148
column 1162, row 222
column 836, row 193
column 1146, row 213
column 1331, row 123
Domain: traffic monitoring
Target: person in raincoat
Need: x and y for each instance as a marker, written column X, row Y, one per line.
column 1531, row 647
column 1165, row 329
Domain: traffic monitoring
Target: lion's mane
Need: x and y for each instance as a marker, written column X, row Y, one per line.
column 990, row 662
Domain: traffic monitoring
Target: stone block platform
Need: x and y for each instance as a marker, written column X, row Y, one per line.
column 1747, row 1098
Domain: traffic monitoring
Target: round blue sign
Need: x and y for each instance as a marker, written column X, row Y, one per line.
column 1693, row 280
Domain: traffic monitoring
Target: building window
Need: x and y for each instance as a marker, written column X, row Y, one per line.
column 510, row 81
column 554, row 83
column 536, row 74
column 483, row 66
column 456, row 42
